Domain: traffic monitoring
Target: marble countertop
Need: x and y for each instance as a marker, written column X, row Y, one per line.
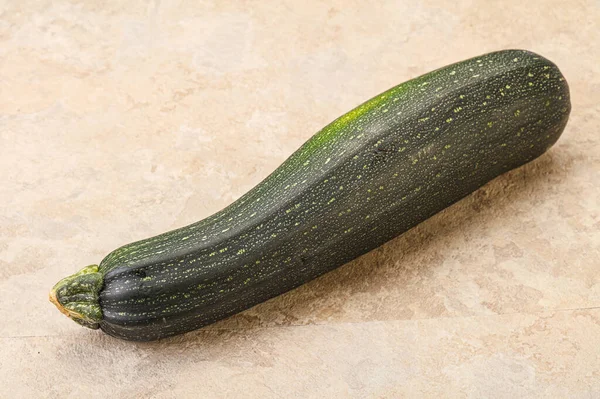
column 122, row 120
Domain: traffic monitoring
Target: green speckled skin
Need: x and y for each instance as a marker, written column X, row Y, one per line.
column 364, row 179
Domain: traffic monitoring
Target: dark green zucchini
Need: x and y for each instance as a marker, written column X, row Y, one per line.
column 367, row 177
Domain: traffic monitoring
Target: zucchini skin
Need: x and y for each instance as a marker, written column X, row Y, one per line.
column 364, row 179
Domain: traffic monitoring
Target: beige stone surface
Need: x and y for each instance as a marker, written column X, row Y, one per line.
column 123, row 119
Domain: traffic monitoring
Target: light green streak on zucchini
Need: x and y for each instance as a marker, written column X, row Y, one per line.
column 341, row 124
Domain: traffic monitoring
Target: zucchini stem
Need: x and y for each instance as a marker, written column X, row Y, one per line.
column 76, row 296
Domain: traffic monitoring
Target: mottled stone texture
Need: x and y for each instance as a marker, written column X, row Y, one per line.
column 121, row 120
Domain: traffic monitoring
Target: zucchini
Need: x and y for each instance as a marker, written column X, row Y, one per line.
column 367, row 177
